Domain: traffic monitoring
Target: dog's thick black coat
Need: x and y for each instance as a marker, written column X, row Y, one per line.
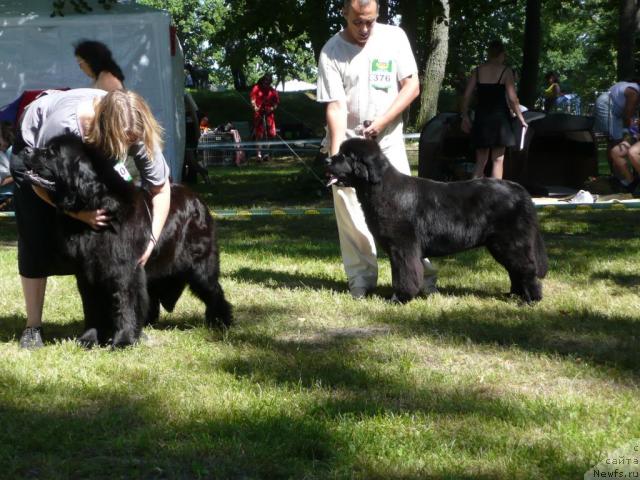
column 118, row 296
column 412, row 218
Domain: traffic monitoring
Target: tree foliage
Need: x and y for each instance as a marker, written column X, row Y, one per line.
column 235, row 41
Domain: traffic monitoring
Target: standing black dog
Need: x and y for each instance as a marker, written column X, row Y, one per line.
column 118, row 296
column 412, row 218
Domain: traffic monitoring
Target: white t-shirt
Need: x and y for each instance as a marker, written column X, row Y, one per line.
column 367, row 78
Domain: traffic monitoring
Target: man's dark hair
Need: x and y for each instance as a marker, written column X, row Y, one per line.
column 98, row 57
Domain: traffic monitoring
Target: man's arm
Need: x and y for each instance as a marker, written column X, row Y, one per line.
column 337, row 124
column 409, row 90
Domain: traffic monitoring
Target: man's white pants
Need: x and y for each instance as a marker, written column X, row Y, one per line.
column 356, row 242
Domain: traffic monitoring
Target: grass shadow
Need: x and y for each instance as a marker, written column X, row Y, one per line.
column 277, row 280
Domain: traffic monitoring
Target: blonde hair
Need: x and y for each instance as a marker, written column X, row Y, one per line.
column 123, row 118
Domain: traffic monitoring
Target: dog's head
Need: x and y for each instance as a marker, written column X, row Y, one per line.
column 359, row 162
column 66, row 169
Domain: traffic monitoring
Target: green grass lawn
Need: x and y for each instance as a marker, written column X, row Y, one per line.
column 309, row 383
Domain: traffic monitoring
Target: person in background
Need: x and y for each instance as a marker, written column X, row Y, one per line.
column 119, row 124
column 264, row 100
column 552, row 91
column 367, row 76
column 628, row 150
column 204, row 125
column 7, row 138
column 191, row 166
column 95, row 60
column 188, row 79
column 615, row 110
column 496, row 99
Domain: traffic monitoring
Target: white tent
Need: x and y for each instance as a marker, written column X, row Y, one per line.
column 295, row 86
column 37, row 53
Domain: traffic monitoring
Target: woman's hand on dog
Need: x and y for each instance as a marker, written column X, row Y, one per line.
column 96, row 219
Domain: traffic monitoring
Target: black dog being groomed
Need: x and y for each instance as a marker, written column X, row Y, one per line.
column 118, row 296
column 412, row 218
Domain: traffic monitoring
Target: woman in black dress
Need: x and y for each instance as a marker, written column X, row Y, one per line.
column 496, row 97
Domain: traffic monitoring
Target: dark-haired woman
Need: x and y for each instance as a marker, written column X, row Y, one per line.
column 95, row 60
column 491, row 130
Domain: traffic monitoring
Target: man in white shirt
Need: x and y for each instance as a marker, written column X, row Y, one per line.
column 367, row 76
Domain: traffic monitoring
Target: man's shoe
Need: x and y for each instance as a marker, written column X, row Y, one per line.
column 358, row 293
column 31, row 338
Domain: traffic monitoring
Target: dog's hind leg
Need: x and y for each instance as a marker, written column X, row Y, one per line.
column 209, row 290
column 518, row 258
column 407, row 273
column 166, row 292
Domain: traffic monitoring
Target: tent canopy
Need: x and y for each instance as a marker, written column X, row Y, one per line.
column 37, row 53
column 295, row 86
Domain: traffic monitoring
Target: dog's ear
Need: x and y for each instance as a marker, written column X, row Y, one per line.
column 373, row 164
column 360, row 170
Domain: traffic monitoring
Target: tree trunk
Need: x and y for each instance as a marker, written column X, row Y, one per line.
column 438, row 50
column 530, row 55
column 316, row 15
column 239, row 79
column 627, row 28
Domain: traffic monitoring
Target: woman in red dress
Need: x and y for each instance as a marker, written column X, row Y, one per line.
column 264, row 99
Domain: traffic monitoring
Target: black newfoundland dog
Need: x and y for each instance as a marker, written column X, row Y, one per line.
column 412, row 218
column 118, row 296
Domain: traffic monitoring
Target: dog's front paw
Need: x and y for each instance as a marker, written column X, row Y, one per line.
column 89, row 339
column 124, row 338
column 400, row 298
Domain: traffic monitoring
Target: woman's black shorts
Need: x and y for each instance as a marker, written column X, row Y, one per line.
column 39, row 254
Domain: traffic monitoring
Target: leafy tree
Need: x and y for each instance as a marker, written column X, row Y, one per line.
column 436, row 51
column 197, row 22
column 579, row 43
column 627, row 28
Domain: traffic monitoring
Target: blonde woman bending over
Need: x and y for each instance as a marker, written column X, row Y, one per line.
column 119, row 123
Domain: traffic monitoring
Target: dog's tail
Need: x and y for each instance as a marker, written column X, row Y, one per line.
column 542, row 262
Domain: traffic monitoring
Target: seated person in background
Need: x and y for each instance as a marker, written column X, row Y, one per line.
column 551, row 92
column 614, row 113
column 239, row 155
column 95, row 60
column 615, row 109
column 204, row 125
column 627, row 149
